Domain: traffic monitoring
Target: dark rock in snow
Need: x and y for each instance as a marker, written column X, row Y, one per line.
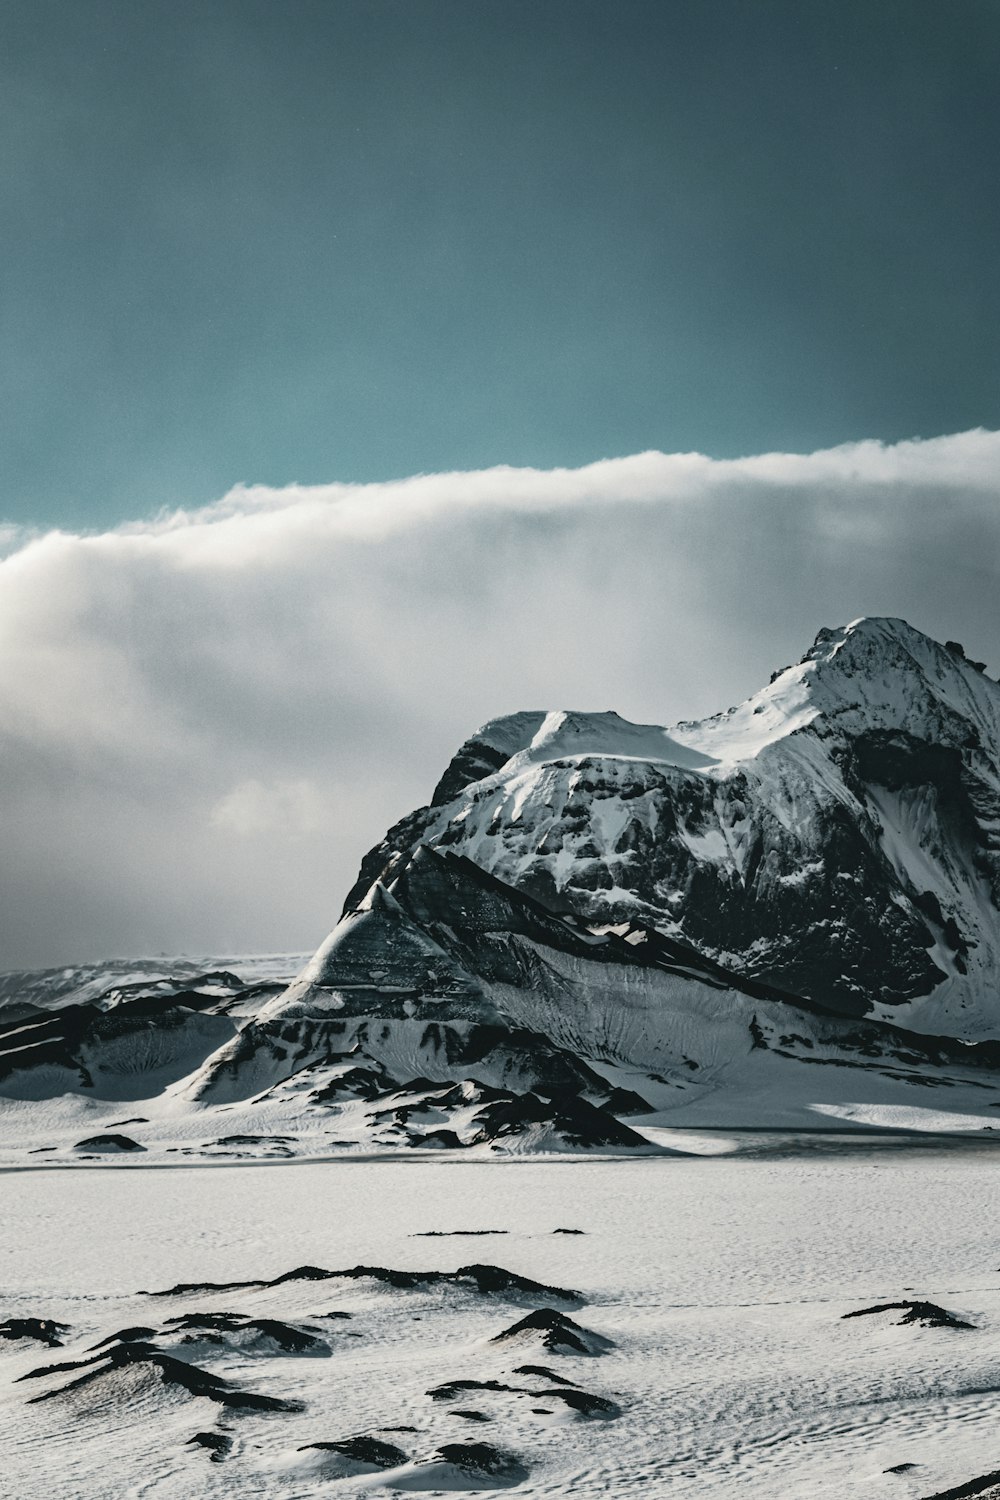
column 927, row 1314
column 173, row 1372
column 986, row 1487
column 218, row 1444
column 443, row 1234
column 42, row 1330
column 109, row 1143
column 364, row 1450
column 481, row 1461
column 284, row 1336
column 133, row 1335
column 480, row 1278
column 557, row 1333
column 583, row 1403
column 453, row 1388
column 544, row 1373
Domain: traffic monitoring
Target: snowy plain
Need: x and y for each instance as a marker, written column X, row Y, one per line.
column 720, row 1282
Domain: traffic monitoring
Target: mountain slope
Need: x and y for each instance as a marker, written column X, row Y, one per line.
column 837, row 835
column 784, row 913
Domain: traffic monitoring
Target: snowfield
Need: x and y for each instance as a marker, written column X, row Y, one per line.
column 706, row 1351
column 634, row 1132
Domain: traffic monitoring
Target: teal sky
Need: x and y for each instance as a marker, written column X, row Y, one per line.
column 276, row 240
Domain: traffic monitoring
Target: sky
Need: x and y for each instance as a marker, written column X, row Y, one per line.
column 370, row 368
column 267, row 241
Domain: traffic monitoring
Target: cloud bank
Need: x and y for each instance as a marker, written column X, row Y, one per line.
column 205, row 719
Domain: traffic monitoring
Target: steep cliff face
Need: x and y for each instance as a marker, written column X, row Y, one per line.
column 837, row 836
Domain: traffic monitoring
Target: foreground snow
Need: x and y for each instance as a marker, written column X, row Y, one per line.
column 712, row 1294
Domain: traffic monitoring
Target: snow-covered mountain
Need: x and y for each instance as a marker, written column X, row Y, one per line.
column 595, row 920
column 837, row 835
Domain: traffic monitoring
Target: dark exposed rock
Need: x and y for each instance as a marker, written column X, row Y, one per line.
column 626, row 1102
column 42, row 1330
column 481, row 1461
column 176, row 1372
column 434, row 1234
column 484, row 1279
column 544, row 1373
column 581, row 1124
column 218, row 1444
column 557, row 1333
column 441, row 1140
column 133, row 1335
column 583, row 1402
column 453, row 1388
column 927, row 1314
column 288, row 1339
column 110, row 1143
column 986, row 1486
column 358, row 1083
column 364, row 1450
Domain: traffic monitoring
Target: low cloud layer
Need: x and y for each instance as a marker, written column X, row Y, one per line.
column 205, row 720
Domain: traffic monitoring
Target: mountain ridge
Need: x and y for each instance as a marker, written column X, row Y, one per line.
column 754, row 916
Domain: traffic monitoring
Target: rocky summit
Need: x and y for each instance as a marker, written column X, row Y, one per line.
column 596, row 928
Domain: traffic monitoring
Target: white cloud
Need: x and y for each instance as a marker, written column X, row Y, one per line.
column 206, row 718
column 285, row 807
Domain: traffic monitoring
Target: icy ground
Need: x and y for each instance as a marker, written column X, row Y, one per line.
column 707, row 1353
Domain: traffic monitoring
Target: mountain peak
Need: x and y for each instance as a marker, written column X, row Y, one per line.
column 877, row 673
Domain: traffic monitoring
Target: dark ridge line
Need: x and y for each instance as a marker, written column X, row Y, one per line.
column 973, row 1487
column 363, row 1450
column 927, row 1314
column 558, row 1332
column 486, row 1279
column 194, row 1380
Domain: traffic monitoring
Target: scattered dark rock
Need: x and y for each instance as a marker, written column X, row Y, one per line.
column 496, row 1279
column 301, row 1273
column 356, row 1083
column 217, row 1443
column 254, row 1140
column 453, row 1388
column 579, row 1123
column 443, row 1234
column 558, row 1333
column 471, row 1416
column 569, row 1231
column 978, row 1486
column 927, row 1314
column 44, row 1330
column 126, row 1336
column 365, row 1450
column 544, row 1373
column 440, row 1140
column 109, row 1143
column 900, row 1469
column 481, row 1461
column 178, row 1372
column 289, row 1340
column 484, row 1279
column 132, row 1120
column 583, row 1402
